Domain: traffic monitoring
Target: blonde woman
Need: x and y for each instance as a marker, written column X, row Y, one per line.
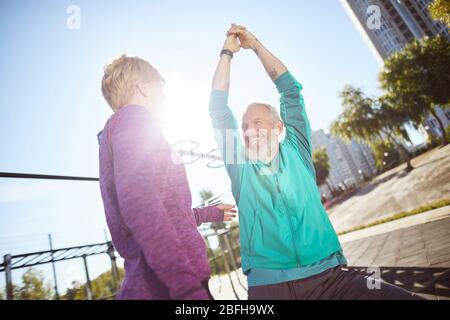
column 145, row 192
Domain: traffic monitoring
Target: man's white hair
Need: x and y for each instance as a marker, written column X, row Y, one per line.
column 273, row 111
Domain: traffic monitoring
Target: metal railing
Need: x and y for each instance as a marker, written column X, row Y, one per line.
column 27, row 260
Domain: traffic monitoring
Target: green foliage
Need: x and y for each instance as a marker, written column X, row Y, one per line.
column 420, row 71
column 33, row 287
column 357, row 121
column 386, row 155
column 321, row 165
column 440, row 10
column 400, row 215
column 102, row 286
column 416, row 78
column 414, row 81
column 433, row 140
column 217, row 262
column 371, row 120
column 367, row 119
column 206, row 194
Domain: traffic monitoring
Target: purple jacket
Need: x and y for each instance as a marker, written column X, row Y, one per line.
column 148, row 210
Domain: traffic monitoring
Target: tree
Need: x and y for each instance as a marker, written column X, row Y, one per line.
column 206, row 194
column 357, row 121
column 321, row 165
column 440, row 10
column 218, row 265
column 386, row 155
column 102, row 286
column 392, row 123
column 33, row 287
column 370, row 120
column 416, row 79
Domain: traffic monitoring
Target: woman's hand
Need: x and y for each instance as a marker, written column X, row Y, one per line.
column 228, row 212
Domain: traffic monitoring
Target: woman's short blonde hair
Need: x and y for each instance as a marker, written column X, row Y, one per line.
column 121, row 77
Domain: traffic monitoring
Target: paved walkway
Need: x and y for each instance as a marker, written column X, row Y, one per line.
column 221, row 288
column 396, row 191
column 421, row 218
column 412, row 252
column 416, row 258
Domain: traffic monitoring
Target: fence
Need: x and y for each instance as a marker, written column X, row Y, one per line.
column 52, row 256
column 227, row 252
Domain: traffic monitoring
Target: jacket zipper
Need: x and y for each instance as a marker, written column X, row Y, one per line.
column 290, row 222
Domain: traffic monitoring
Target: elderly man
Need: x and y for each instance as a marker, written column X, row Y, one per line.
column 288, row 245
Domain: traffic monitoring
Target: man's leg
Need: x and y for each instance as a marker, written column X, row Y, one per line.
column 332, row 284
column 344, row 284
column 309, row 288
column 278, row 291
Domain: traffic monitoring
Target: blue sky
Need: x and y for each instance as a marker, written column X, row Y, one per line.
column 51, row 107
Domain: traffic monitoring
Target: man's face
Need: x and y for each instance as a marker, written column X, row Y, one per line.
column 261, row 133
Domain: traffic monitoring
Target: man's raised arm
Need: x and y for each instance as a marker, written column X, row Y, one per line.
column 292, row 107
column 224, row 123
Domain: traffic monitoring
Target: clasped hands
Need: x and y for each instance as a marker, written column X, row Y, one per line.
column 239, row 37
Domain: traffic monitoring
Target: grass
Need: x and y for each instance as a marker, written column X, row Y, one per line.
column 400, row 215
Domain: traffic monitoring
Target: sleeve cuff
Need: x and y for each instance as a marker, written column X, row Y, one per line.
column 208, row 214
column 286, row 81
column 216, row 215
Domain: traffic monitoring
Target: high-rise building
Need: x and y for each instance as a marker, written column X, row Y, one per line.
column 349, row 162
column 388, row 25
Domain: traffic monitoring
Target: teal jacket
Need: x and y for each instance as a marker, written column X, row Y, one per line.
column 283, row 223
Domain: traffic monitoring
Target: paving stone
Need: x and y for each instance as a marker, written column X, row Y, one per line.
column 420, row 246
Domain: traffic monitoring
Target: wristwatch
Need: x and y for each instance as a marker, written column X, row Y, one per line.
column 227, row 52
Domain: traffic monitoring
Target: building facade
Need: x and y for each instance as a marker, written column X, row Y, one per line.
column 388, row 25
column 349, row 162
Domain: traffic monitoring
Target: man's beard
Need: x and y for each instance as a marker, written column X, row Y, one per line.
column 262, row 152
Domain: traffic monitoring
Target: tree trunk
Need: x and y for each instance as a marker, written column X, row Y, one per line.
column 404, row 153
column 329, row 188
column 441, row 125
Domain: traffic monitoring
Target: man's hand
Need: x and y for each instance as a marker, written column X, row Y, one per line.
column 273, row 66
column 246, row 39
column 228, row 212
column 231, row 43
